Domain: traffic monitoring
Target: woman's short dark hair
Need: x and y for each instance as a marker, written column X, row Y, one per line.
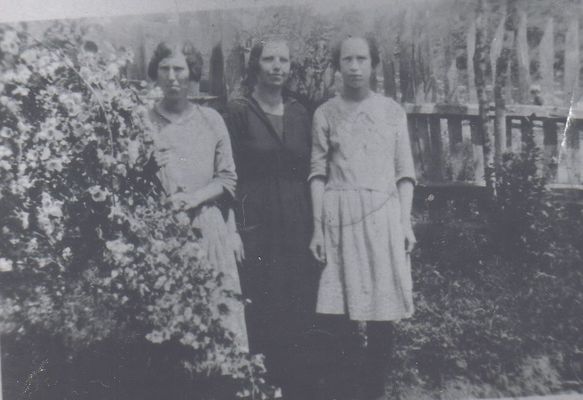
column 253, row 67
column 373, row 48
column 191, row 54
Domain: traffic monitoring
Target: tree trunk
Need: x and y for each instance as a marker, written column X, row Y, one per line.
column 496, row 47
column 471, row 49
column 217, row 85
column 571, row 82
column 502, row 78
column 480, row 61
column 522, row 55
column 546, row 61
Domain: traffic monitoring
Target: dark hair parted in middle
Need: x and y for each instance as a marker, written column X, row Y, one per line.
column 373, row 48
column 190, row 53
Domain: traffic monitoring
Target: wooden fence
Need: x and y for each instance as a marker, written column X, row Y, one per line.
column 447, row 146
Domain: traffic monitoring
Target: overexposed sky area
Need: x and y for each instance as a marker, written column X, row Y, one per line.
column 33, row 10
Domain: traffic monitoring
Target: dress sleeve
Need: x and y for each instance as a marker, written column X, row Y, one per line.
column 320, row 146
column 235, row 119
column 404, row 165
column 224, row 164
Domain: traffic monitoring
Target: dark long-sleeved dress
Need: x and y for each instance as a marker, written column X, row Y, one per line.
column 279, row 275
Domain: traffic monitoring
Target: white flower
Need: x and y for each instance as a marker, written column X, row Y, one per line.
column 119, row 250
column 5, row 132
column 50, row 210
column 20, row 75
column 157, row 336
column 45, row 154
column 49, row 131
column 97, row 193
column 23, row 127
column 21, row 91
column 5, row 265
column 133, row 151
column 29, row 56
column 55, row 164
column 5, row 152
column 9, row 43
column 67, row 253
column 23, row 217
column 72, row 102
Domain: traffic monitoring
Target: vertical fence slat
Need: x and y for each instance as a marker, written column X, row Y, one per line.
column 425, row 145
column 478, row 152
column 550, row 150
column 454, row 128
column 570, row 155
column 444, row 133
column 526, row 128
column 508, row 129
column 416, row 147
column 436, row 147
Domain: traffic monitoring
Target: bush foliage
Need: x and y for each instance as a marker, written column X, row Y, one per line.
column 498, row 289
column 89, row 253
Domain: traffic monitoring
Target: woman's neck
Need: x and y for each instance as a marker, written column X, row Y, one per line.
column 355, row 94
column 269, row 98
column 175, row 106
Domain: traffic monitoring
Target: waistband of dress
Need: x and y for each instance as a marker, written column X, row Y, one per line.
column 339, row 187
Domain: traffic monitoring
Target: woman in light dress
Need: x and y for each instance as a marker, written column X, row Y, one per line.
column 362, row 179
column 196, row 168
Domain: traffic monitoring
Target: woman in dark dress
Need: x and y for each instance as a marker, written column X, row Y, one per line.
column 270, row 134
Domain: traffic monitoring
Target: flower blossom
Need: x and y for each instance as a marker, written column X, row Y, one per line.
column 5, row 265
column 9, row 43
column 97, row 193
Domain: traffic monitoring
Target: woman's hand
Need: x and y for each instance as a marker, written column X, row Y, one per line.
column 162, row 156
column 317, row 246
column 184, row 201
column 409, row 235
column 238, row 248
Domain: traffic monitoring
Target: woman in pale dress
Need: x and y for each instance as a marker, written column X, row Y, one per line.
column 196, row 168
column 362, row 179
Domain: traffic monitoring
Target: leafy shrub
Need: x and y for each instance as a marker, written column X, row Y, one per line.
column 498, row 290
column 88, row 251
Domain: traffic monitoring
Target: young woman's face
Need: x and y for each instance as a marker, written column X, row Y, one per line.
column 173, row 76
column 274, row 64
column 355, row 63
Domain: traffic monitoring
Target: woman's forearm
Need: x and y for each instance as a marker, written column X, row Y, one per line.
column 405, row 189
column 210, row 192
column 231, row 223
column 317, row 192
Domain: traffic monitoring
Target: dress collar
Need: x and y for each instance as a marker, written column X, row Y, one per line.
column 175, row 118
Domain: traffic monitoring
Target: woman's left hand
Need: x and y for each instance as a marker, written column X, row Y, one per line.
column 184, row 201
column 238, row 248
column 409, row 235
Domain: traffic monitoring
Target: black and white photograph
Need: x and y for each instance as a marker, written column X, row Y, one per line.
column 291, row 200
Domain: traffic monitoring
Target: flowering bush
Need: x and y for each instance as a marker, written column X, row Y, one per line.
column 88, row 251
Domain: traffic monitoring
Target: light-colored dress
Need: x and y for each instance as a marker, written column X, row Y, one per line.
column 200, row 152
column 362, row 150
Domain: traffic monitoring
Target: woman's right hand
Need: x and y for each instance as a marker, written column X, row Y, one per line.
column 317, row 246
column 162, row 156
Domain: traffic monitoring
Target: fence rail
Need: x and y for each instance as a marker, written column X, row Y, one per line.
column 448, row 148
